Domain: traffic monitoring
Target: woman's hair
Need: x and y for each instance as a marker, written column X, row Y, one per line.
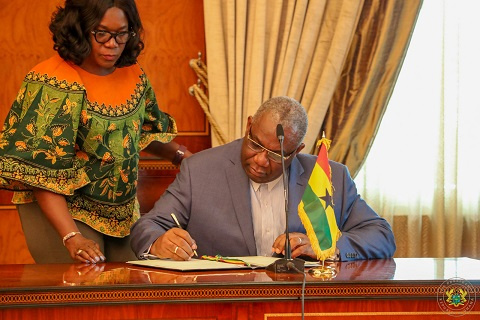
column 72, row 24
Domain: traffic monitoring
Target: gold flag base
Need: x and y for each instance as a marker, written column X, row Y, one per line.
column 323, row 272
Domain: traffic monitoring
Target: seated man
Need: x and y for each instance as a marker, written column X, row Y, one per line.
column 229, row 200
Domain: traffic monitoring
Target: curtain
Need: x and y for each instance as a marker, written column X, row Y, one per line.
column 374, row 61
column 421, row 173
column 258, row 49
column 342, row 56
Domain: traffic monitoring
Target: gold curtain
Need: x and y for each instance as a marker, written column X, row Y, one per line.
column 258, row 49
column 368, row 77
column 337, row 55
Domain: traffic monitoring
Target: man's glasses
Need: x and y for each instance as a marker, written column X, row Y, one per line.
column 103, row 36
column 258, row 148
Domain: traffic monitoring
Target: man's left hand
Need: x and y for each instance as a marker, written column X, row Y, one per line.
column 299, row 244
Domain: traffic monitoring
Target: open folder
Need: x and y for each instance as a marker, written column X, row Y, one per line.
column 251, row 262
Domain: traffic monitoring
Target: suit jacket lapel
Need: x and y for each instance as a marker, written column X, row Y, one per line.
column 240, row 193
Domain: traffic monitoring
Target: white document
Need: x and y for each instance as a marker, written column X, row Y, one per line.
column 201, row 264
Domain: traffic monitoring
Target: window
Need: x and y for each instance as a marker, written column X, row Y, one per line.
column 425, row 161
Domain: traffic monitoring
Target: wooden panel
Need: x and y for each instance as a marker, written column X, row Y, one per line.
column 174, row 34
column 346, row 310
column 13, row 248
column 151, row 185
column 24, row 41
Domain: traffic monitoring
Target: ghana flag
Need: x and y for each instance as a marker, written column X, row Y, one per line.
column 316, row 208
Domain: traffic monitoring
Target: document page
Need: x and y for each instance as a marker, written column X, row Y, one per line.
column 201, row 264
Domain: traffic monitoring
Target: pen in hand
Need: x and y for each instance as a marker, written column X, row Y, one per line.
column 178, row 225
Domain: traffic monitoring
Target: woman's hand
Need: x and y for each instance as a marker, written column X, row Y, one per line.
column 84, row 250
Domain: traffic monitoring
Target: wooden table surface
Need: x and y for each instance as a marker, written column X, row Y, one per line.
column 409, row 285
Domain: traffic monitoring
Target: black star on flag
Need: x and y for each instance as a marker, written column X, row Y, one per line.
column 328, row 199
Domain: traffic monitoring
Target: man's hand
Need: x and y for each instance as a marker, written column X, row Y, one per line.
column 299, row 243
column 176, row 244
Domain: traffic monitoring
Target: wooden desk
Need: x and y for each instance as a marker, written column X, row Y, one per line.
column 372, row 289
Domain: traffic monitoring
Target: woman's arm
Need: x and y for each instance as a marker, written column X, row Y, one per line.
column 55, row 208
column 171, row 151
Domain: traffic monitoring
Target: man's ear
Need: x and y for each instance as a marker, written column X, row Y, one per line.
column 249, row 124
column 300, row 148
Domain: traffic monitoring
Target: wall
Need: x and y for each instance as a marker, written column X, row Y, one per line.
column 174, row 34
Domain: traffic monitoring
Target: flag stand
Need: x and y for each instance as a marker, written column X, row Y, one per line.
column 323, row 272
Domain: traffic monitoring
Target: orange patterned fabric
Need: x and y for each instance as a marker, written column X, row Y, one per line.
column 80, row 135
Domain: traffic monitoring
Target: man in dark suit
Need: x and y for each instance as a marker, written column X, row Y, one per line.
column 229, row 200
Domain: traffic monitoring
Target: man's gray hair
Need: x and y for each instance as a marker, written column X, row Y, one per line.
column 287, row 111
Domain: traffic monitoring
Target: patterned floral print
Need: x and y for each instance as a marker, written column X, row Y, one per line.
column 58, row 138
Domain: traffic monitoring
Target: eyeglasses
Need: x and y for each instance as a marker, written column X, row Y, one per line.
column 258, row 148
column 103, row 36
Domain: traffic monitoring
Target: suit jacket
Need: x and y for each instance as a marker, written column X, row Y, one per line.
column 211, row 199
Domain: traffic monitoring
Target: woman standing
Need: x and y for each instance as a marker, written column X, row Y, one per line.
column 72, row 138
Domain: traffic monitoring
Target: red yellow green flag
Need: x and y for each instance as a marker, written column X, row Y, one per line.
column 316, row 208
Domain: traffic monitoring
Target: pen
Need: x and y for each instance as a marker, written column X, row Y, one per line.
column 178, row 225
